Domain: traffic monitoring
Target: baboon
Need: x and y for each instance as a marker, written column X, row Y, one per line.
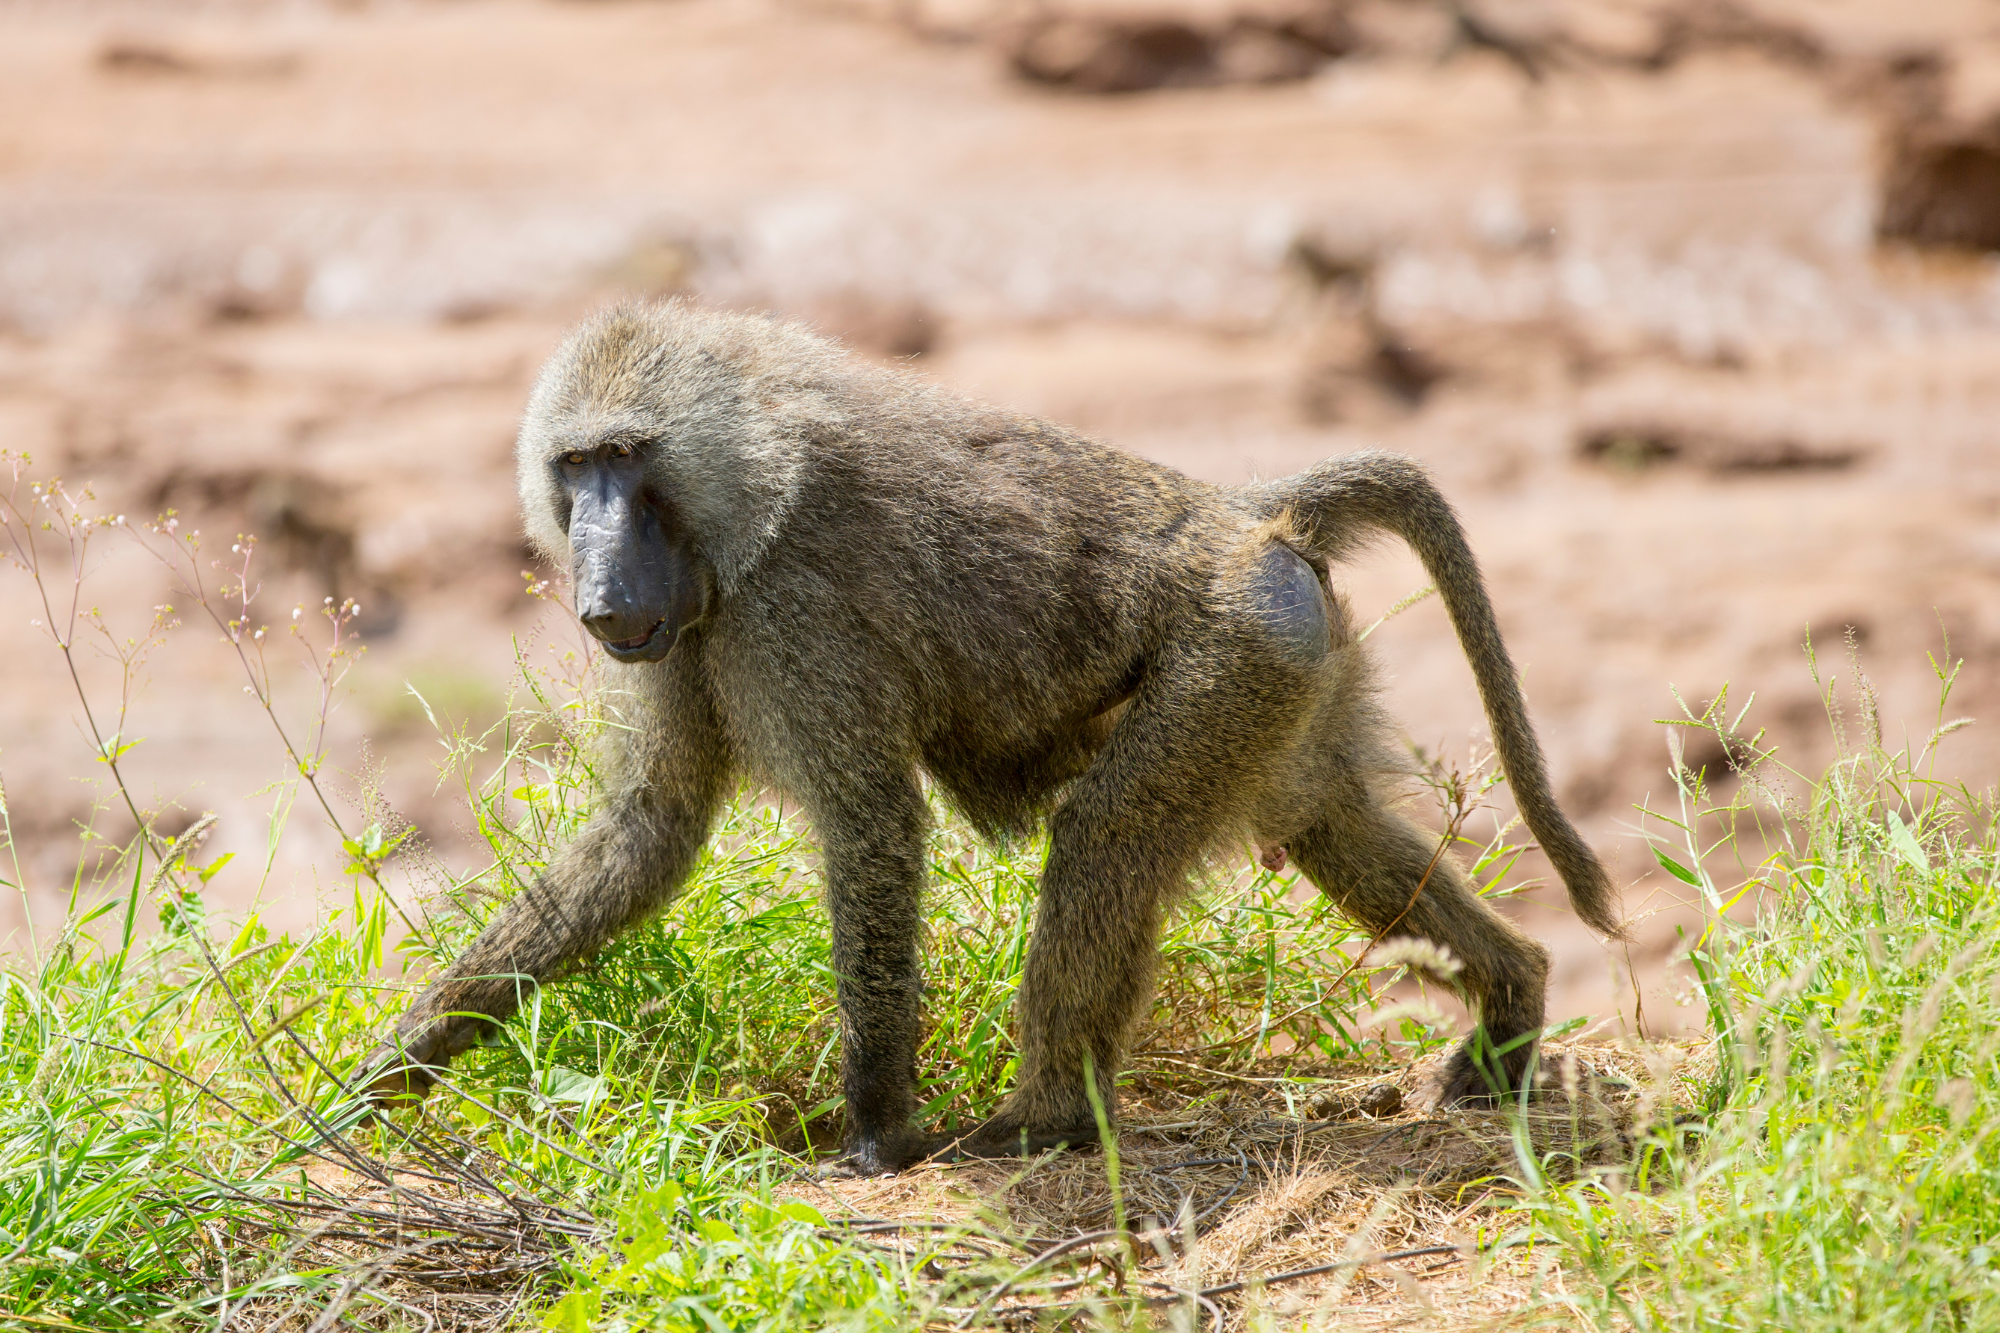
column 839, row 579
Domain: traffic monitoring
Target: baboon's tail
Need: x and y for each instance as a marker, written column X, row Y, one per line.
column 1336, row 507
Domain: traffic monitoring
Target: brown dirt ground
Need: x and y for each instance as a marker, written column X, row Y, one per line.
column 1270, row 1185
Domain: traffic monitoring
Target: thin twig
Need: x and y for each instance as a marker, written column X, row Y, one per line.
column 1450, row 835
column 1394, row 1256
column 1074, row 1243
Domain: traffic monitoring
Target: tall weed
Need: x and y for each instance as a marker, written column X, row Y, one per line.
column 1842, row 1173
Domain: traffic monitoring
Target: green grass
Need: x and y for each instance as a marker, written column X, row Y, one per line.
column 1845, row 1174
column 177, row 1150
column 181, row 1070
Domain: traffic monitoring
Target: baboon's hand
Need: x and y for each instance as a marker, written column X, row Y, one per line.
column 405, row 1065
column 390, row 1073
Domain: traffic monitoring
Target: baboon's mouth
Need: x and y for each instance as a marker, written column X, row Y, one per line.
column 634, row 644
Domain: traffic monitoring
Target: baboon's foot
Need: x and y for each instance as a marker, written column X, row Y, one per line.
column 1475, row 1076
column 1005, row 1137
column 876, row 1155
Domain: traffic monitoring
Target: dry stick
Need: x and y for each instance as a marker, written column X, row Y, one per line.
column 459, row 1233
column 1450, row 835
column 207, row 1091
column 457, row 1091
column 1394, row 1256
column 465, row 1168
column 468, row 1231
column 1091, row 1238
column 1242, row 1164
column 1054, row 1252
column 963, row 1238
column 1205, row 1296
column 946, row 1251
column 169, row 853
column 502, row 1230
column 360, row 1163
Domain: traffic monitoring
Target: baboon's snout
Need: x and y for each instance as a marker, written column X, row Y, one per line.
column 610, row 597
column 635, row 583
column 610, row 609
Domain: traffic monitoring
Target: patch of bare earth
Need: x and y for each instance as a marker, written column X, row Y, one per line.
column 1239, row 1195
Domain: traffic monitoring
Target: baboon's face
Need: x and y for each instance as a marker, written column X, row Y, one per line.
column 637, row 585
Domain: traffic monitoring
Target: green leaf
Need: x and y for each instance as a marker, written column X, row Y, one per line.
column 802, row 1212
column 1676, row 869
column 1905, row 845
column 575, row 1313
column 115, row 749
column 567, row 1085
column 251, row 934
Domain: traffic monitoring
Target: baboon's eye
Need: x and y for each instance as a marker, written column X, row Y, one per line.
column 621, row 450
column 576, row 458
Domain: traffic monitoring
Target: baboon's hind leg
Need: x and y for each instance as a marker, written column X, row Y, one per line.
column 1371, row 861
column 1122, row 842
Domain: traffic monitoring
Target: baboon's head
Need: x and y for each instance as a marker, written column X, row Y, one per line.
column 660, row 454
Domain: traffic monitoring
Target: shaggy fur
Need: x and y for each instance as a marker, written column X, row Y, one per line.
column 904, row 584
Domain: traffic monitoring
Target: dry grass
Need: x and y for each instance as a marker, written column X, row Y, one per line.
column 1237, row 1189
column 1228, row 1189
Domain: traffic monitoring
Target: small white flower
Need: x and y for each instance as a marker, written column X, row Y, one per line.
column 258, row 635
column 236, row 548
column 354, row 608
column 297, row 611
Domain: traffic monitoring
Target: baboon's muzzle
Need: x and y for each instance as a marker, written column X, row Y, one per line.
column 636, row 585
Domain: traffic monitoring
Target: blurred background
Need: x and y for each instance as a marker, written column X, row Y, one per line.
column 1690, row 306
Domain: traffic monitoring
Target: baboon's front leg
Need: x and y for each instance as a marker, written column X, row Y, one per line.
column 872, row 835
column 663, row 779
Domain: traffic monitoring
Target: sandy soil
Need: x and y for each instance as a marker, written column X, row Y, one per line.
column 290, row 267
